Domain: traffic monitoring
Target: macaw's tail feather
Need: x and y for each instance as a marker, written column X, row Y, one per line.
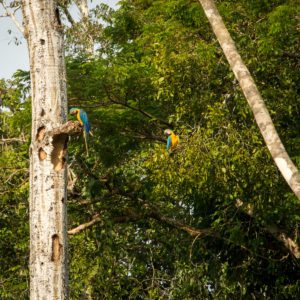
column 85, row 141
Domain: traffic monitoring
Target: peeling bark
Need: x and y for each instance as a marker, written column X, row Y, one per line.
column 287, row 168
column 48, row 172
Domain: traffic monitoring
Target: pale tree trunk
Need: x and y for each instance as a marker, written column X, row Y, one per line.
column 48, row 235
column 247, row 84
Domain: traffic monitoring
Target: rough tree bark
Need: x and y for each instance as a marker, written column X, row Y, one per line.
column 48, row 174
column 260, row 111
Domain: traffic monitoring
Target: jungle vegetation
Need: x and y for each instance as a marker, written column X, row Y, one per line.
column 207, row 221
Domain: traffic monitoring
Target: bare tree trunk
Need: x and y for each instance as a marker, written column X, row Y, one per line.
column 260, row 111
column 48, row 174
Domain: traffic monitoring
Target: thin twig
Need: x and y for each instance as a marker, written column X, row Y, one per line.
column 12, row 140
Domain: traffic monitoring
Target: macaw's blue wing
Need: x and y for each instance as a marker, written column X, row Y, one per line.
column 169, row 143
column 85, row 121
column 86, row 126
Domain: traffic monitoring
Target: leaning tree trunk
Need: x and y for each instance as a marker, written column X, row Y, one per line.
column 48, row 250
column 260, row 111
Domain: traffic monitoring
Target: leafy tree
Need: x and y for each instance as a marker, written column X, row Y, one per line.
column 14, row 183
column 213, row 220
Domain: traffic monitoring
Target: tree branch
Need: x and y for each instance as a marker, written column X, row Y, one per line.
column 145, row 113
column 292, row 55
column 67, row 14
column 131, row 215
column 272, row 229
column 151, row 212
column 143, row 136
column 282, row 237
column 84, row 226
column 69, row 128
column 13, row 17
column 12, row 140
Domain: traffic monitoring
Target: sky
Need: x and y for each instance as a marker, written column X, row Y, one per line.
column 12, row 56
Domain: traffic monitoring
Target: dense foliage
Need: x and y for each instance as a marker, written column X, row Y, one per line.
column 201, row 223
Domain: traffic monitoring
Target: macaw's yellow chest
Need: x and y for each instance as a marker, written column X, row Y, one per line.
column 175, row 141
column 78, row 118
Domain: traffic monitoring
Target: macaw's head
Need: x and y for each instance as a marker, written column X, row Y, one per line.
column 168, row 132
column 74, row 111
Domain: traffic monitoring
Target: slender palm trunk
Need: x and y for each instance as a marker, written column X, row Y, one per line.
column 260, row 111
column 48, row 235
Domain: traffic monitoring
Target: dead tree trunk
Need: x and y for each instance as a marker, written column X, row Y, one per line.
column 48, row 174
column 260, row 111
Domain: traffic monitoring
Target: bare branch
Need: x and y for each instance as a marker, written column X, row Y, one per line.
column 13, row 17
column 143, row 112
column 142, row 136
column 130, row 215
column 146, row 114
column 4, row 141
column 192, row 231
column 84, row 226
column 14, row 173
column 67, row 14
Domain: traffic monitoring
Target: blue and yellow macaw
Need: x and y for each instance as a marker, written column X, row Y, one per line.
column 83, row 120
column 172, row 140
